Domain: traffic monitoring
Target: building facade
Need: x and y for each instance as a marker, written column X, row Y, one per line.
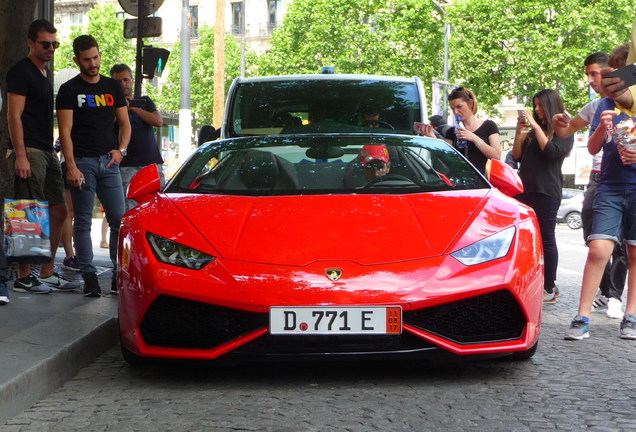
column 251, row 21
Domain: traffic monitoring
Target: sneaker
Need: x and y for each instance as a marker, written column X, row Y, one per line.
column 556, row 292
column 71, row 264
column 91, row 285
column 549, row 298
column 59, row 284
column 628, row 327
column 4, row 294
column 30, row 284
column 600, row 303
column 579, row 328
column 614, row 308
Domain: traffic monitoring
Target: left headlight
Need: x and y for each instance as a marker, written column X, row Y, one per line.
column 174, row 253
column 488, row 249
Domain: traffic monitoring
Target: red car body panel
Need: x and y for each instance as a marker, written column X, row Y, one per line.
column 274, row 251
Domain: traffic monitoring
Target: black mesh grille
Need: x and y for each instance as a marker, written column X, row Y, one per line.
column 490, row 317
column 179, row 323
column 336, row 344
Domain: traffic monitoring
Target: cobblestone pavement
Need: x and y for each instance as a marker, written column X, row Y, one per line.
column 567, row 386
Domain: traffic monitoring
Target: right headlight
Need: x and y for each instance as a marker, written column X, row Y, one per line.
column 171, row 252
column 488, row 249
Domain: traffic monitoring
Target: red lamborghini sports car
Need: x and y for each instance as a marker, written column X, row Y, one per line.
column 329, row 245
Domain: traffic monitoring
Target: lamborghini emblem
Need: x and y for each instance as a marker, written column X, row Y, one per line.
column 333, row 273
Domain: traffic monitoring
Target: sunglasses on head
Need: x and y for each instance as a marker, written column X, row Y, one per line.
column 47, row 44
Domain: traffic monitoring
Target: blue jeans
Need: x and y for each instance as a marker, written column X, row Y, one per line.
column 614, row 216
column 106, row 183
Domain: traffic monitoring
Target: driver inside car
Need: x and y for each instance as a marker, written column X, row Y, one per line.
column 374, row 160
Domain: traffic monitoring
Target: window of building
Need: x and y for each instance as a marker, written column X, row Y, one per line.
column 77, row 18
column 193, row 21
column 237, row 18
column 274, row 12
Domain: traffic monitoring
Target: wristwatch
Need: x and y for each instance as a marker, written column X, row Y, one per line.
column 123, row 152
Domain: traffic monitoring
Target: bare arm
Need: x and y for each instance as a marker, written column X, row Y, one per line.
column 15, row 108
column 152, row 118
column 121, row 116
column 564, row 127
column 597, row 139
column 74, row 176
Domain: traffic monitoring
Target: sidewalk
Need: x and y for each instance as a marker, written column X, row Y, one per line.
column 46, row 339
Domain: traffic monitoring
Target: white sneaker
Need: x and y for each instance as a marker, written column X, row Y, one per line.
column 614, row 308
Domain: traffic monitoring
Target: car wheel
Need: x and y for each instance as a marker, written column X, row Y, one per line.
column 527, row 354
column 573, row 219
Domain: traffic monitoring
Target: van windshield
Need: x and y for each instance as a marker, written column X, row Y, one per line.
column 302, row 106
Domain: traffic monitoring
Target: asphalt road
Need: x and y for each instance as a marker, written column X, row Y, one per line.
column 567, row 385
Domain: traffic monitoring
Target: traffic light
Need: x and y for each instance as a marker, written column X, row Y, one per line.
column 154, row 61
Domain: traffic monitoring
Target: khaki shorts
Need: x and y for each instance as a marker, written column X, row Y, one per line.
column 45, row 183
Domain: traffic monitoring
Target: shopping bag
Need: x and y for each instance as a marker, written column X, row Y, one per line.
column 27, row 231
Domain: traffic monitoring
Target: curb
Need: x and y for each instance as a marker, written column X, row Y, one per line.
column 40, row 359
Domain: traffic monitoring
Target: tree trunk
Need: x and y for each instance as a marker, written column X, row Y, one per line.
column 15, row 17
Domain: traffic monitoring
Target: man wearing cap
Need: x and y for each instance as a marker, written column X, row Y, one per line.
column 375, row 161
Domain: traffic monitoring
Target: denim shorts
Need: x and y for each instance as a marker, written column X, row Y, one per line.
column 614, row 216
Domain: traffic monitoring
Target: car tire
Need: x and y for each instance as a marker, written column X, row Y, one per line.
column 573, row 220
column 527, row 354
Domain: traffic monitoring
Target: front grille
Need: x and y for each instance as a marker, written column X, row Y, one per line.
column 490, row 317
column 334, row 344
column 179, row 323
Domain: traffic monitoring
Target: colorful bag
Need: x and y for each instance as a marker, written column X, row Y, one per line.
column 27, row 236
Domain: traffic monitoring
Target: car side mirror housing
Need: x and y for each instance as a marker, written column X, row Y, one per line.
column 207, row 133
column 503, row 177
column 144, row 184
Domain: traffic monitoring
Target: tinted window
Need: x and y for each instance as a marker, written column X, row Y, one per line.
column 321, row 164
column 323, row 106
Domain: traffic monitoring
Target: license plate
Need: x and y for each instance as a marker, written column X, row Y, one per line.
column 350, row 320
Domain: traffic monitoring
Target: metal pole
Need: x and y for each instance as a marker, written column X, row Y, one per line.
column 445, row 85
column 141, row 13
column 219, row 64
column 185, row 112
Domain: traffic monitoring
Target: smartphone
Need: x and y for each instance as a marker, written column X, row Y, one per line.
column 627, row 74
column 137, row 103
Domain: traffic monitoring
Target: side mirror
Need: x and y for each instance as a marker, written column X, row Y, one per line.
column 503, row 177
column 207, row 133
column 144, row 184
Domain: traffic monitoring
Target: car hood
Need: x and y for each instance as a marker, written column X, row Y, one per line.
column 366, row 229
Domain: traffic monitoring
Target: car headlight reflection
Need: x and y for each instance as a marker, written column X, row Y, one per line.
column 488, row 249
column 171, row 252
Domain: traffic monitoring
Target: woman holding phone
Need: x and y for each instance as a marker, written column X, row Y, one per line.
column 540, row 153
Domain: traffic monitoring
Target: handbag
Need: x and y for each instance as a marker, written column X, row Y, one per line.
column 27, row 232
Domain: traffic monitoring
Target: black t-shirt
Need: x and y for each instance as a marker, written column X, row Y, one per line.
column 472, row 153
column 143, row 149
column 93, row 108
column 25, row 79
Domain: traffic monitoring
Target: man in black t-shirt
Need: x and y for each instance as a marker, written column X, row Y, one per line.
column 87, row 107
column 143, row 116
column 37, row 169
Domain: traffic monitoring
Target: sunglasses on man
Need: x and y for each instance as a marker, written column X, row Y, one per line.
column 47, row 44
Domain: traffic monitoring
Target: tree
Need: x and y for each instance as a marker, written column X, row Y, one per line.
column 384, row 37
column 201, row 75
column 108, row 30
column 15, row 18
column 502, row 49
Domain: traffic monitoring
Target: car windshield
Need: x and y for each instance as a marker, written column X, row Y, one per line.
column 319, row 105
column 325, row 164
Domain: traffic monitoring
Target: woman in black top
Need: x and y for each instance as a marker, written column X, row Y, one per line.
column 481, row 136
column 540, row 153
